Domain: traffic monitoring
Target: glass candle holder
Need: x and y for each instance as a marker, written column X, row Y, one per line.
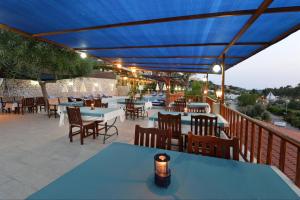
column 162, row 172
column 185, row 111
column 92, row 106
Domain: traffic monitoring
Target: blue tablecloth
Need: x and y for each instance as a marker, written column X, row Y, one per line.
column 137, row 102
column 75, row 103
column 123, row 171
column 186, row 120
column 195, row 105
column 97, row 112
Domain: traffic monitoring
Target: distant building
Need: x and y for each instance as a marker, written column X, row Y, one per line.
column 271, row 97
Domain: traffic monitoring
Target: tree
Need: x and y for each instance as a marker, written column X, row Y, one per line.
column 25, row 58
column 247, row 99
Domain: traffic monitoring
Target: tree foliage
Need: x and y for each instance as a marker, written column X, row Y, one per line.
column 26, row 58
column 246, row 99
column 287, row 91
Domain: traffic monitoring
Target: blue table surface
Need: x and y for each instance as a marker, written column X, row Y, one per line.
column 75, row 103
column 186, row 120
column 123, row 171
column 194, row 104
column 97, row 112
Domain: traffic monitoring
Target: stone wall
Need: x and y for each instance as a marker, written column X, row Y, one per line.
column 68, row 87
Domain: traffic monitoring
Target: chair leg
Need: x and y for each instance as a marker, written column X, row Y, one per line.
column 70, row 134
column 82, row 132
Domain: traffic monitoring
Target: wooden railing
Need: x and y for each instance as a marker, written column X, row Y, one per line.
column 260, row 143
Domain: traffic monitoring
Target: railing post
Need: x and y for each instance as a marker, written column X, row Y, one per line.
column 252, row 142
column 269, row 150
column 259, row 144
column 282, row 154
column 298, row 168
column 246, row 141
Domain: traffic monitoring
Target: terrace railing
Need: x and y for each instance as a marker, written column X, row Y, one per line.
column 260, row 143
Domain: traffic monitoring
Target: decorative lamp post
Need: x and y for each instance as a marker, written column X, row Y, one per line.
column 162, row 177
column 219, row 94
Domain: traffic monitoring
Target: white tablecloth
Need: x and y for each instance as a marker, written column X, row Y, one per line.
column 107, row 116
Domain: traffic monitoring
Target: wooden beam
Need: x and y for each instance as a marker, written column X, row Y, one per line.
column 142, row 57
column 169, row 46
column 261, row 9
column 166, row 64
column 170, row 19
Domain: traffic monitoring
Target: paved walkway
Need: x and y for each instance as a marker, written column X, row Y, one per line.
column 34, row 151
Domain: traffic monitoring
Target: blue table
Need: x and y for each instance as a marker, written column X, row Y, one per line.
column 123, row 171
column 136, row 102
column 75, row 103
column 186, row 120
column 194, row 104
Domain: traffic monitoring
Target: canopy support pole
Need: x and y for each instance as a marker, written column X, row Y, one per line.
column 223, row 80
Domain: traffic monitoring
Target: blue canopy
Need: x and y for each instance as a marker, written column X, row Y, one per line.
column 168, row 35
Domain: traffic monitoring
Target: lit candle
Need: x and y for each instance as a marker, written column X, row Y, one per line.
column 185, row 111
column 162, row 171
column 92, row 106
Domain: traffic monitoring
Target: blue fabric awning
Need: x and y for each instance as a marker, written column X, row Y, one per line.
column 168, row 35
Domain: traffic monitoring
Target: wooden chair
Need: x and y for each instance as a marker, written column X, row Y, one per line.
column 28, row 103
column 213, row 146
column 40, row 102
column 152, row 137
column 75, row 121
column 63, row 100
column 179, row 106
column 97, row 103
column 204, row 125
column 52, row 107
column 131, row 110
column 88, row 102
column 172, row 123
column 197, row 110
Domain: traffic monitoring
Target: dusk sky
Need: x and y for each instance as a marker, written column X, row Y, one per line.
column 278, row 65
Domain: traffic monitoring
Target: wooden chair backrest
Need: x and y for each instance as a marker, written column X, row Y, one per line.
column 179, row 106
column 213, row 146
column 197, row 109
column 40, row 101
column 53, row 101
column 88, row 102
column 74, row 116
column 63, row 99
column 98, row 103
column 170, row 122
column 204, row 125
column 152, row 137
column 104, row 105
column 129, row 104
column 28, row 101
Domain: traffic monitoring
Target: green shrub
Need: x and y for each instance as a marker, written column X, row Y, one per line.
column 247, row 99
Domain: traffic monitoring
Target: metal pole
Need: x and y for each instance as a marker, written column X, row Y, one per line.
column 223, row 79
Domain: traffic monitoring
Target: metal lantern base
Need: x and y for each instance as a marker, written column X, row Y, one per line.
column 162, row 181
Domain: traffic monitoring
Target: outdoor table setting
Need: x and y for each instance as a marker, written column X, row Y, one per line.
column 186, row 119
column 104, row 114
column 124, row 171
column 62, row 106
column 195, row 105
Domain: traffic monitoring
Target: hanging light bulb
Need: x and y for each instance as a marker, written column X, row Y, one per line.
column 216, row 68
column 119, row 66
column 83, row 55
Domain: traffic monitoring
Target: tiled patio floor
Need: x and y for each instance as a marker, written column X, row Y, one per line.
column 34, row 151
